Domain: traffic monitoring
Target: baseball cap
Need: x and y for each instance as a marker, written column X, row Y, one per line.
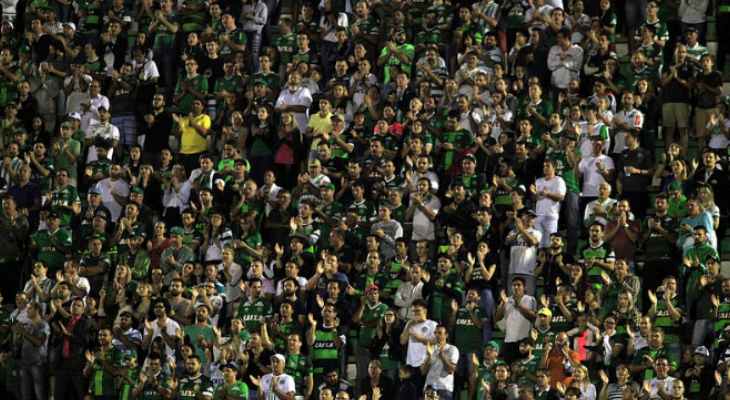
column 94, row 190
column 329, row 185
column 101, row 214
column 675, row 186
column 75, row 115
column 279, row 357
column 126, row 314
column 177, row 230
column 70, row 25
column 493, row 344
column 9, row 23
column 435, row 388
column 139, row 191
column 371, row 288
column 67, row 125
column 690, row 29
column 230, row 365
column 54, row 215
column 545, row 311
column 530, row 213
column 399, row 30
column 702, row 350
column 470, row 157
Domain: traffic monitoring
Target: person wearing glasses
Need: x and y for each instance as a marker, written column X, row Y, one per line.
column 161, row 326
column 662, row 385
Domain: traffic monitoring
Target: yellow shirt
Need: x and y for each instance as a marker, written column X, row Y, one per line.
column 191, row 142
column 319, row 124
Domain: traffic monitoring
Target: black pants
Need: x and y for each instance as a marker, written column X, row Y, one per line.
column 12, row 271
column 70, row 384
column 723, row 32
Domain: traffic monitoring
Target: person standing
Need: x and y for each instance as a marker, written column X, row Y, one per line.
column 440, row 364
column 519, row 312
column 254, row 16
column 277, row 385
column 13, row 234
column 33, row 337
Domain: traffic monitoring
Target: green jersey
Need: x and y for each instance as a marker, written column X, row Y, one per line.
column 407, row 50
column 237, row 36
column 10, row 376
column 364, row 280
column 102, row 382
column 249, row 312
column 299, row 367
column 188, row 385
column 194, row 21
column 199, row 83
column 230, row 85
column 721, row 323
column 543, row 108
column 369, row 315
column 272, row 79
column 47, row 252
column 485, row 373
column 287, row 45
column 192, row 332
column 65, row 197
column 164, row 37
column 440, row 302
column 531, row 365
column 640, row 359
column 325, row 353
column 468, row 336
column 662, row 320
column 461, row 139
column 149, row 392
column 564, row 170
column 238, row 390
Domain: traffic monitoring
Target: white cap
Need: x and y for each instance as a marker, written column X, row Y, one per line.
column 71, row 24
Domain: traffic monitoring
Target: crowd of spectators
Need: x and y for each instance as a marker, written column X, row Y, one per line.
column 364, row 199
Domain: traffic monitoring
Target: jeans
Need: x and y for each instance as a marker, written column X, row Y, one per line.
column 34, row 382
column 487, row 302
column 166, row 60
column 677, row 348
column 702, row 328
column 253, row 47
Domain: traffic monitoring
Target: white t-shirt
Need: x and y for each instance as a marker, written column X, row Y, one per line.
column 417, row 350
column 655, row 383
column 517, row 326
column 285, row 383
column 591, row 176
column 107, row 132
column 301, row 97
column 633, row 118
column 171, row 328
column 523, row 256
column 546, row 205
column 121, row 188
